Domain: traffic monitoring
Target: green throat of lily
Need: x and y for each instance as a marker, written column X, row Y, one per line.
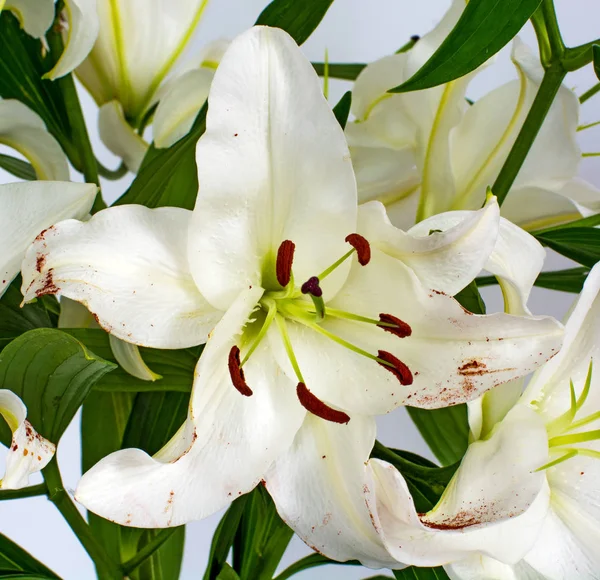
column 284, row 301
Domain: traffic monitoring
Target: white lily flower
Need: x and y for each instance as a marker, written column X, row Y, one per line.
column 29, row 452
column 565, row 394
column 306, row 342
column 34, row 16
column 426, row 152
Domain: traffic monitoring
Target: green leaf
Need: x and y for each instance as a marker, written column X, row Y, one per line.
column 227, row 573
column 15, row 320
column 570, row 280
column 15, row 562
column 312, row 561
column 223, row 537
column 165, row 562
column 590, row 221
column 596, row 55
column 298, row 19
column 261, row 538
column 21, row 68
column 342, row 109
column 471, row 299
column 52, row 373
column 483, row 29
column 580, row 244
column 414, row 573
column 17, row 167
column 346, row 71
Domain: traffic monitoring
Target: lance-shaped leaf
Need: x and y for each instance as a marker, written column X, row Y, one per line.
column 484, row 28
column 414, row 573
column 52, row 373
column 596, row 53
column 16, row 563
column 579, row 244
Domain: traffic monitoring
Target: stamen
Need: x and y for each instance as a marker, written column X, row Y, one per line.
column 317, row 407
column 261, row 334
column 397, row 368
column 362, row 247
column 575, row 438
column 311, row 286
column 569, row 455
column 287, row 343
column 236, row 373
column 285, row 258
column 394, row 325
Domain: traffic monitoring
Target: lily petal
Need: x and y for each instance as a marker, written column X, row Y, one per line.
column 29, row 452
column 119, row 137
column 28, row 208
column 128, row 266
column 494, row 505
column 478, row 567
column 266, row 174
column 130, row 359
column 224, row 449
column 319, row 487
column 83, row 26
column 446, row 260
column 34, row 16
column 24, row 131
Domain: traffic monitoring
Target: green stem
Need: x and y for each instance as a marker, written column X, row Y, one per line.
column 148, row 550
column 79, row 133
column 579, row 56
column 311, row 562
column 31, row 491
column 551, row 83
column 59, row 497
column 589, row 93
column 557, row 46
column 112, row 174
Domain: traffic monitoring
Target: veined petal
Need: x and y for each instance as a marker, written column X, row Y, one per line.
column 266, row 174
column 128, row 266
column 130, row 359
column 549, row 387
column 179, row 106
column 494, row 505
column 319, row 486
column 445, row 260
column 478, row 567
column 23, row 130
column 224, row 449
column 29, row 452
column 83, row 26
column 34, row 16
column 27, row 208
column 119, row 137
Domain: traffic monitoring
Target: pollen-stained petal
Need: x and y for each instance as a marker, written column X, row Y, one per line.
column 318, row 407
column 237, row 373
column 362, row 247
column 285, row 260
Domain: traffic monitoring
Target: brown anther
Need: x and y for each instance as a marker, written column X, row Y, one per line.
column 317, row 407
column 285, row 258
column 311, row 286
column 401, row 329
column 398, row 368
column 362, row 247
column 236, row 372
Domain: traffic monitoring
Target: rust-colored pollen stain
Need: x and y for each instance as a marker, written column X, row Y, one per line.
column 40, row 261
column 399, row 369
column 317, row 407
column 473, row 367
column 285, row 259
column 236, row 373
column 401, row 329
column 311, row 286
column 362, row 247
column 48, row 285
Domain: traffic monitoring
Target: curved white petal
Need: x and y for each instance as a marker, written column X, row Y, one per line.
column 35, row 16
column 583, row 194
column 179, row 107
column 24, row 131
column 119, row 137
column 478, row 567
column 446, row 260
column 138, row 44
column 82, row 31
column 127, row 265
column 273, row 165
column 224, row 449
column 29, row 452
column 319, row 487
column 130, row 359
column 549, row 387
column 27, row 208
column 494, row 505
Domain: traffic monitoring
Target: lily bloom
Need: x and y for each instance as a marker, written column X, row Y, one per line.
column 426, row 152
column 29, row 452
column 312, row 327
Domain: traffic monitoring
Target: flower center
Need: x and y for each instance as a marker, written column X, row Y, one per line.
column 305, row 304
column 565, row 433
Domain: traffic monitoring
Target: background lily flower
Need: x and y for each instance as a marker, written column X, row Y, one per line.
column 34, row 16
column 29, row 452
column 428, row 152
column 565, row 394
column 313, row 329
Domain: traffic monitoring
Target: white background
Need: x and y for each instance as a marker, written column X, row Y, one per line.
column 352, row 31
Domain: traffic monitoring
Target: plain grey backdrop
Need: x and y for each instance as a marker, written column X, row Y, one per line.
column 352, row 31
